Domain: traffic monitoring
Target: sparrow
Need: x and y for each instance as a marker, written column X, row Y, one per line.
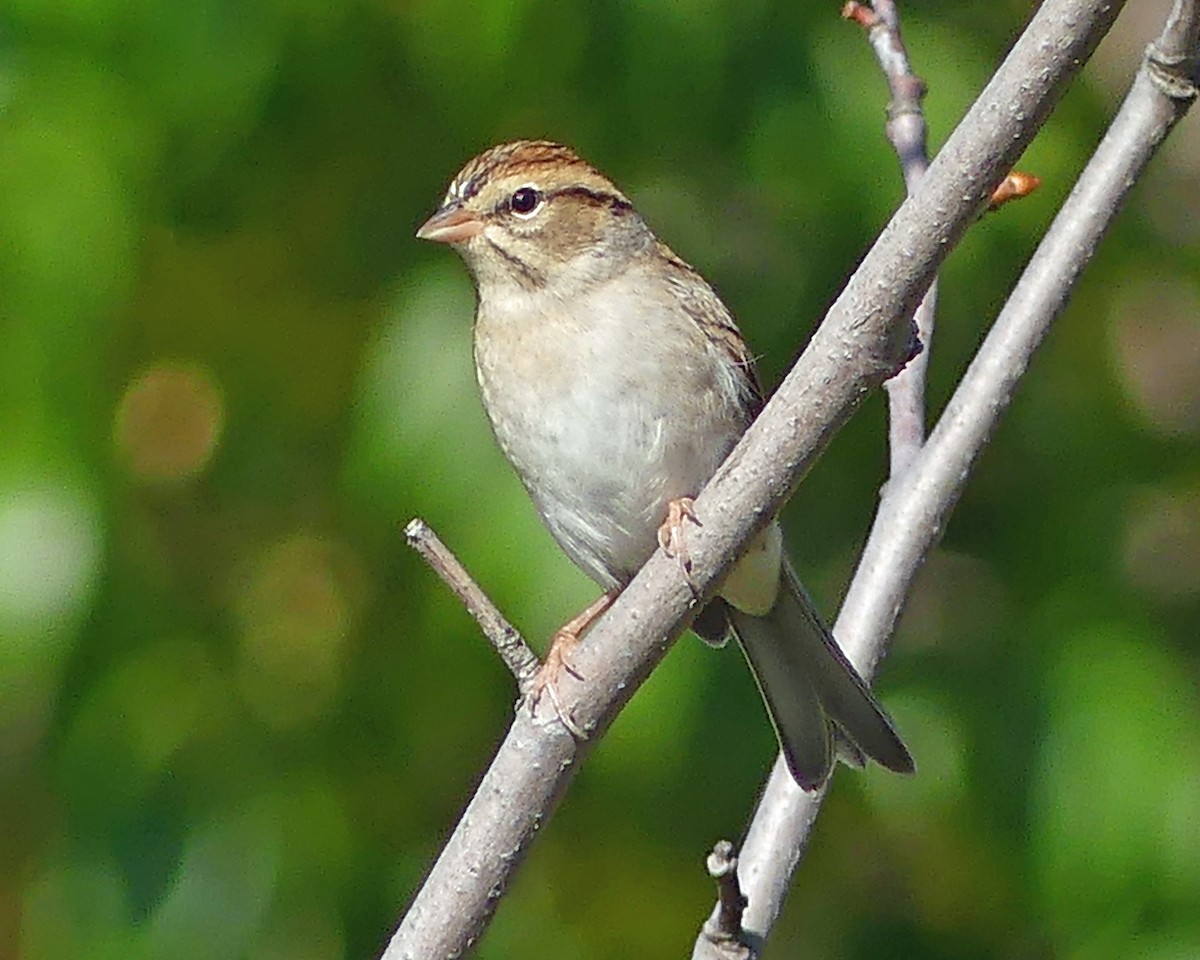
column 616, row 382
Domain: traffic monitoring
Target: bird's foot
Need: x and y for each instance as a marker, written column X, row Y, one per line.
column 566, row 638
column 671, row 534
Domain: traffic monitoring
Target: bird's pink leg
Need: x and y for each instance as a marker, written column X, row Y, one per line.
column 670, row 534
column 565, row 638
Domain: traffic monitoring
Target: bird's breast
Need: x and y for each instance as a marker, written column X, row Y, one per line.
column 607, row 410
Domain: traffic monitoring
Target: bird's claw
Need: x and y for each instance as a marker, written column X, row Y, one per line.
column 671, row 535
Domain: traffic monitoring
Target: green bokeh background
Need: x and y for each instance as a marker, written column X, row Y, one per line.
column 238, row 716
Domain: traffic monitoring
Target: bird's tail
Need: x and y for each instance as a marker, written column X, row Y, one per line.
column 821, row 708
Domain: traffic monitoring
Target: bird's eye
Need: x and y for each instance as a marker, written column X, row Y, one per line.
column 525, row 201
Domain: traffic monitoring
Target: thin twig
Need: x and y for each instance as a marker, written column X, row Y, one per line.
column 905, row 129
column 912, row 515
column 852, row 352
column 723, row 930
column 516, row 654
column 906, row 132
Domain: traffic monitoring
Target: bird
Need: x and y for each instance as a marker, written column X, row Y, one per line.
column 616, row 382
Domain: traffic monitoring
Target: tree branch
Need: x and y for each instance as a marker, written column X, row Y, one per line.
column 724, row 927
column 863, row 340
column 1174, row 59
column 516, row 654
column 906, row 132
column 912, row 515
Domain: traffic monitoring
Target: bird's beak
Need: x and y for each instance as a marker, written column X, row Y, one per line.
column 451, row 225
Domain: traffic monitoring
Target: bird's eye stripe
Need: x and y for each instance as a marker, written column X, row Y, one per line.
column 610, row 200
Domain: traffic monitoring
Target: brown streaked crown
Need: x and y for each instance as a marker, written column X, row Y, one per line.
column 553, row 164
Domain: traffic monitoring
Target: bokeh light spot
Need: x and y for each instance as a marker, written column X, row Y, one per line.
column 1155, row 327
column 1161, row 552
column 223, row 886
column 168, row 422
column 297, row 610
column 49, row 551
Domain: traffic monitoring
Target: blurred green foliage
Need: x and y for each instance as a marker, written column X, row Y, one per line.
column 237, row 717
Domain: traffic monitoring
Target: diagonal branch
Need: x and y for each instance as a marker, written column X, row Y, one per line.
column 864, row 338
column 912, row 515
